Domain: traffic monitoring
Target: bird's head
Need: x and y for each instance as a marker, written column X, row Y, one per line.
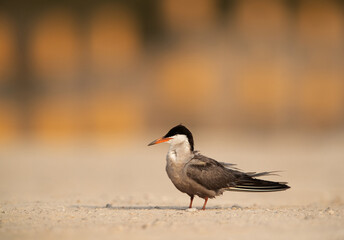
column 177, row 135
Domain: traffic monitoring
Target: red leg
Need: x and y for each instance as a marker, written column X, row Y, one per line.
column 205, row 203
column 191, row 199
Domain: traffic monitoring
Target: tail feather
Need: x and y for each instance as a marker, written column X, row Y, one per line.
column 259, row 174
column 257, row 185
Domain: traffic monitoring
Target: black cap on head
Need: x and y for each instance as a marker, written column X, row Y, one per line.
column 181, row 130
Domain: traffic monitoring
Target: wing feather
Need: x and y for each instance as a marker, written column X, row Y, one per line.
column 210, row 173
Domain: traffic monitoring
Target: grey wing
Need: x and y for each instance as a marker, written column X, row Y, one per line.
column 210, row 173
column 215, row 176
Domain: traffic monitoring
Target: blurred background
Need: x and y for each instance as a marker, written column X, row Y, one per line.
column 121, row 73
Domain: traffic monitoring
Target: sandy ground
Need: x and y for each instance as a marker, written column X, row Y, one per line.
column 97, row 191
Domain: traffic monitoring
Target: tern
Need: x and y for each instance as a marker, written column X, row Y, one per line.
column 195, row 174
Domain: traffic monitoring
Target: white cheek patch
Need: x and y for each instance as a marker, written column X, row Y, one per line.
column 177, row 139
column 179, row 151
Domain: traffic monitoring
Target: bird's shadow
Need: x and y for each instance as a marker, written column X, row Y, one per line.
column 177, row 208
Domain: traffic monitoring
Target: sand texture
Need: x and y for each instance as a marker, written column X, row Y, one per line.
column 96, row 191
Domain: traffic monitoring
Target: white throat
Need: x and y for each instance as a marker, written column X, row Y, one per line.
column 180, row 149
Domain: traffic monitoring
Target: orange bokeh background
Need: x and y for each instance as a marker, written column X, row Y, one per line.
column 105, row 70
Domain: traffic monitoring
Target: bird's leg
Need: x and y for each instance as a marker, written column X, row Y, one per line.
column 205, row 203
column 191, row 199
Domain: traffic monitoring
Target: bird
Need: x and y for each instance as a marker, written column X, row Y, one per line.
column 197, row 175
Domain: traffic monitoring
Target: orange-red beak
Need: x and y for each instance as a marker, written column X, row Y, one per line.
column 159, row 140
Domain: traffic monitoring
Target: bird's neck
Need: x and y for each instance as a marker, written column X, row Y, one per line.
column 179, row 153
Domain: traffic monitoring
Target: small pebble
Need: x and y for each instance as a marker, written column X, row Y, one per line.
column 329, row 211
column 191, row 210
column 108, row 205
column 144, row 226
column 236, row 207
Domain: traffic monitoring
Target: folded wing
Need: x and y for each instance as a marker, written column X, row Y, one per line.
column 216, row 176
